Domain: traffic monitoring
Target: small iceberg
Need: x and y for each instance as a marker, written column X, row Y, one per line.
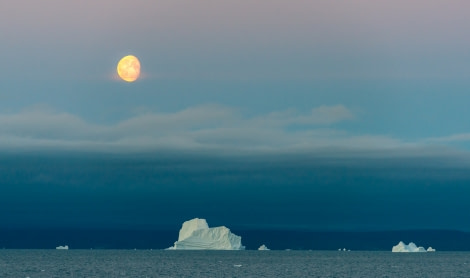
column 411, row 247
column 66, row 247
column 430, row 249
column 263, row 248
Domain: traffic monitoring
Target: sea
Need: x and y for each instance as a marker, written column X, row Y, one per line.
column 286, row 263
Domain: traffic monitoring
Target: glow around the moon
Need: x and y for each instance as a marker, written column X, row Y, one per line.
column 128, row 68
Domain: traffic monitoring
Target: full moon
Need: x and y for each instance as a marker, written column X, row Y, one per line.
column 128, row 68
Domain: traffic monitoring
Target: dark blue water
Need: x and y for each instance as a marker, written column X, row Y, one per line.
column 159, row 263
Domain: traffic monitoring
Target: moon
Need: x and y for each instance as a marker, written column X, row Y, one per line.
column 128, row 68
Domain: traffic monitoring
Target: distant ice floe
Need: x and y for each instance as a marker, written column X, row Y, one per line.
column 66, row 247
column 344, row 249
column 195, row 234
column 263, row 248
column 411, row 247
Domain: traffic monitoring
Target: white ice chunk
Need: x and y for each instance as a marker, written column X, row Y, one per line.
column 411, row 247
column 66, row 247
column 263, row 248
column 430, row 249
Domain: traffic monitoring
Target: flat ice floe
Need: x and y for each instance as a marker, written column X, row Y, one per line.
column 66, row 247
column 195, row 234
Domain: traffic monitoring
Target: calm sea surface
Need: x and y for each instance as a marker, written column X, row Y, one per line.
column 159, row 263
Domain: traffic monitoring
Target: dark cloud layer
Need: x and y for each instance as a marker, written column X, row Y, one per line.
column 304, row 191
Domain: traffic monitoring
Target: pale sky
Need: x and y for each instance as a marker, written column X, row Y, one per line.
column 327, row 114
column 268, row 76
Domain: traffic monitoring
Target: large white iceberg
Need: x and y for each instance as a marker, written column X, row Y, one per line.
column 195, row 234
column 411, row 247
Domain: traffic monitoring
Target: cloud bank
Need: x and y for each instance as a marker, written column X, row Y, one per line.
column 202, row 128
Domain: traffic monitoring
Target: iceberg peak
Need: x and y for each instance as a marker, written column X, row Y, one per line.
column 190, row 226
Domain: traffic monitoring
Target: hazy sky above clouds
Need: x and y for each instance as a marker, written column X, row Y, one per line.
column 231, row 75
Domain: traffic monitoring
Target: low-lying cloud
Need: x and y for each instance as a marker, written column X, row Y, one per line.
column 201, row 128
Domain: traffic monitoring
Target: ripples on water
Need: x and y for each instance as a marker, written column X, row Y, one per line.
column 159, row 263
